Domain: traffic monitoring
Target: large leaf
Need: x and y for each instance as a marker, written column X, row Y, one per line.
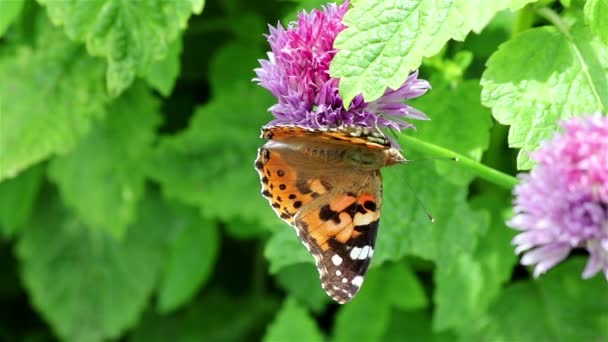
column 130, row 35
column 54, row 93
column 103, row 178
column 301, row 281
column 596, row 14
column 560, row 306
column 468, row 287
column 214, row 317
column 541, row 76
column 87, row 285
column 386, row 287
column 210, row 164
column 385, row 40
column 191, row 261
column 17, row 198
column 293, row 323
column 449, row 107
column 9, row 11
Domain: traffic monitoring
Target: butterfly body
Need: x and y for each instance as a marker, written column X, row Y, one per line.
column 327, row 185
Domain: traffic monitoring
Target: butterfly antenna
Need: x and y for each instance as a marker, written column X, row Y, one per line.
column 454, row 159
column 426, row 211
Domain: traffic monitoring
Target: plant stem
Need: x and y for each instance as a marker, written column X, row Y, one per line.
column 491, row 175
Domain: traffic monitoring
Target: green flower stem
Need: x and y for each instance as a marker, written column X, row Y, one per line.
column 491, row 175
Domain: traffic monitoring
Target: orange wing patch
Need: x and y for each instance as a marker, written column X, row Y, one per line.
column 282, row 186
column 342, row 219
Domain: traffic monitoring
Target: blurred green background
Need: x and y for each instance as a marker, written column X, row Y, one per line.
column 130, row 208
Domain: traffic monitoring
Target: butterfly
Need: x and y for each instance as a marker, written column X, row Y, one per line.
column 326, row 183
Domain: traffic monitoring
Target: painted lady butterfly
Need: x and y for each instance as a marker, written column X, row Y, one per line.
column 326, row 183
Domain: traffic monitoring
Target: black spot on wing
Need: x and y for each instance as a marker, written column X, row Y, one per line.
column 370, row 205
column 326, row 214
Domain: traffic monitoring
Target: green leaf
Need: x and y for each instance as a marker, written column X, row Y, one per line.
column 233, row 63
column 406, row 229
column 376, row 54
column 210, row 164
column 214, row 317
column 9, row 11
column 284, row 249
column 131, row 36
column 541, row 76
column 467, row 286
column 190, row 263
column 484, row 11
column 293, row 323
column 102, row 179
column 596, row 14
column 242, row 230
column 413, row 326
column 449, row 107
column 367, row 316
column 162, row 74
column 560, row 306
column 54, row 94
column 17, row 198
column 301, row 281
column 87, row 285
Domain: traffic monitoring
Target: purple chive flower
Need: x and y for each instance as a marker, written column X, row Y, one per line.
column 563, row 202
column 297, row 74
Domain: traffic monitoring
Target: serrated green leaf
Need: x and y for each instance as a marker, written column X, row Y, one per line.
column 9, row 11
column 17, row 198
column 284, row 249
column 190, row 262
column 596, row 14
column 451, row 107
column 293, row 323
column 560, row 306
column 211, row 162
column 102, row 179
column 87, row 285
column 54, row 94
column 162, row 74
column 385, row 287
column 375, row 54
column 301, row 281
column 129, row 35
column 214, row 317
column 541, row 76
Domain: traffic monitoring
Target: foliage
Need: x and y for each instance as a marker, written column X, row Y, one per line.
column 130, row 208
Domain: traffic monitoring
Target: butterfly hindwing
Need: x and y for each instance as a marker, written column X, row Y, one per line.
column 340, row 231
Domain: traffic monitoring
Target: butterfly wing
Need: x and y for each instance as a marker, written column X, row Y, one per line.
column 340, row 229
column 335, row 210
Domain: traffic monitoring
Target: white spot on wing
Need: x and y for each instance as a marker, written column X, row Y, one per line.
column 355, row 252
column 344, row 280
column 364, row 252
column 338, row 273
column 357, row 281
column 336, row 259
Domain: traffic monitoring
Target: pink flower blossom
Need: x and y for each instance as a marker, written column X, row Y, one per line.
column 562, row 203
column 297, row 74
